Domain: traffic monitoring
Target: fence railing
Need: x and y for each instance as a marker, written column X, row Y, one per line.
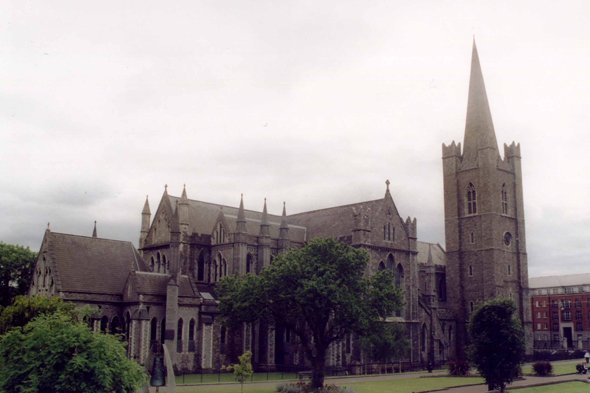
column 283, row 372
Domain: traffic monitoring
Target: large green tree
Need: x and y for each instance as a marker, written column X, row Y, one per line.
column 497, row 342
column 53, row 354
column 320, row 292
column 16, row 269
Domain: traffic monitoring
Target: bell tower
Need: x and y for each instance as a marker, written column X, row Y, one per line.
column 484, row 217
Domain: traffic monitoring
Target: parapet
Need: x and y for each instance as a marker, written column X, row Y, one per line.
column 453, row 150
column 512, row 151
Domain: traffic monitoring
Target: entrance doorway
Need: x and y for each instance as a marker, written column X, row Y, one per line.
column 567, row 333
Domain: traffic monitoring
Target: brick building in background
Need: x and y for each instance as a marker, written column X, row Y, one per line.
column 561, row 311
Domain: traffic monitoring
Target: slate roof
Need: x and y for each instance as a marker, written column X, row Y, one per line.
column 559, row 281
column 202, row 217
column 334, row 221
column 149, row 283
column 93, row 265
column 437, row 252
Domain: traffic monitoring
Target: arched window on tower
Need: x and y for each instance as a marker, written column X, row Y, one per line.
column 389, row 231
column 201, row 267
column 471, row 200
column 165, row 266
column 381, row 266
column 159, row 261
column 152, row 263
column 384, row 232
column 504, row 199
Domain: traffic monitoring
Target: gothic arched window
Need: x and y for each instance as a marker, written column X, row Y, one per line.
column 423, row 338
column 165, row 266
column 504, row 199
column 442, row 289
column 201, row 267
column 470, row 270
column 154, row 329
column 179, row 336
column 103, row 324
column 249, row 262
column 390, row 262
column 389, row 231
column 115, row 328
column 224, row 268
column 381, row 266
column 399, row 275
column 152, row 264
column 163, row 331
column 158, row 261
column 471, row 199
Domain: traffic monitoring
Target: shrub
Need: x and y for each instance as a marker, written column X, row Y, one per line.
column 305, row 387
column 458, row 367
column 542, row 369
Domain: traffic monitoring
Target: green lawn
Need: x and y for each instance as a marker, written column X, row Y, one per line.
column 386, row 386
column 558, row 369
column 569, row 387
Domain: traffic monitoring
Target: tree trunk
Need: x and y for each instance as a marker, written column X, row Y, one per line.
column 317, row 378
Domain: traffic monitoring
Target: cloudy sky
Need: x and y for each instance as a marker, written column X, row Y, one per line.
column 313, row 102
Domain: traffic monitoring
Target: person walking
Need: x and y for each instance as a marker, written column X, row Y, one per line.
column 587, row 357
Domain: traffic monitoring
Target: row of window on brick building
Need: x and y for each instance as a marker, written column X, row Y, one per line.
column 566, row 303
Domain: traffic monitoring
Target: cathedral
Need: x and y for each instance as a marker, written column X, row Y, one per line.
column 164, row 291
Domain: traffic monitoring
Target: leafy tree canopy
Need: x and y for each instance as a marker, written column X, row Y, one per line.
column 318, row 291
column 24, row 309
column 498, row 344
column 54, row 354
column 16, row 269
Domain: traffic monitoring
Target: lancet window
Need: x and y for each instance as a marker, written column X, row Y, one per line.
column 471, row 200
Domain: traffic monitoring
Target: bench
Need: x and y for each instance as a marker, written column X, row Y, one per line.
column 305, row 375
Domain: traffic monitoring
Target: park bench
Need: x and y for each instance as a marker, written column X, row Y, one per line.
column 304, row 375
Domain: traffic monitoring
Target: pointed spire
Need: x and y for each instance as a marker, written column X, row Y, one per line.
column 175, row 223
column 241, row 227
column 264, row 224
column 184, row 197
column 479, row 128
column 264, row 220
column 94, row 234
column 146, row 206
column 284, row 218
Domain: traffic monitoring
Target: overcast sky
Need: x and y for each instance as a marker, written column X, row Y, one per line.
column 313, row 102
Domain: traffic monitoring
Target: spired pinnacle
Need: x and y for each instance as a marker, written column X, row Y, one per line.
column 387, row 183
column 479, row 128
column 94, row 234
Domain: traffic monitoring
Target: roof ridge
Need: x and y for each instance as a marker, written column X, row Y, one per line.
column 218, row 205
column 335, row 207
column 90, row 237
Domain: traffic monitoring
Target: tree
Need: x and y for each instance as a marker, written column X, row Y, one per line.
column 54, row 354
column 387, row 344
column 498, row 344
column 24, row 309
column 16, row 269
column 244, row 370
column 319, row 292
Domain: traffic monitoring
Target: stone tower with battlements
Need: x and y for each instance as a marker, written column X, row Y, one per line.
column 484, row 217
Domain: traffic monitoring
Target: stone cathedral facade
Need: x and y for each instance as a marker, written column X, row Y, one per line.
column 164, row 291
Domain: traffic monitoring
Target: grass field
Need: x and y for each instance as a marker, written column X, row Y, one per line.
column 386, row 386
column 569, row 387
